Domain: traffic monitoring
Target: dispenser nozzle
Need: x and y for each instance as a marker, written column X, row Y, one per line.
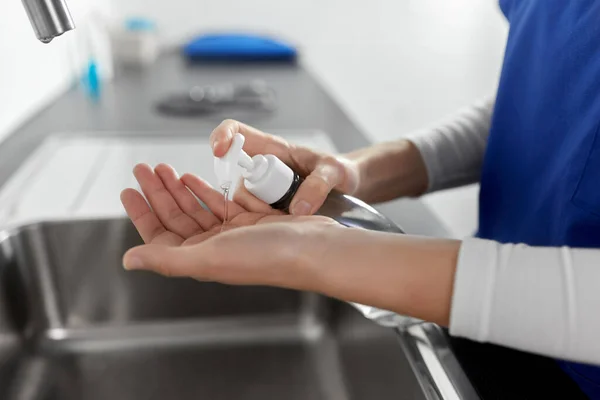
column 226, row 166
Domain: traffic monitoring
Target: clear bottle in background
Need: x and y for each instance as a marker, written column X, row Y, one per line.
column 90, row 53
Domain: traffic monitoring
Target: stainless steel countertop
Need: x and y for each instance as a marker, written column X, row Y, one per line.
column 128, row 104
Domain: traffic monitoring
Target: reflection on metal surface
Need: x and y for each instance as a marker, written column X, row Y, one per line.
column 437, row 370
column 436, row 367
column 74, row 325
column 355, row 213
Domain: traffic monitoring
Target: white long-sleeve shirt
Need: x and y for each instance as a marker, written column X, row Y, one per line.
column 544, row 300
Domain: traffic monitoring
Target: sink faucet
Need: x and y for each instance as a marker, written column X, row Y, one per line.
column 49, row 18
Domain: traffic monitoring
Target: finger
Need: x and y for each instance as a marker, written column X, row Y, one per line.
column 251, row 203
column 209, row 196
column 257, row 142
column 315, row 188
column 145, row 221
column 305, row 160
column 184, row 198
column 165, row 260
column 163, row 203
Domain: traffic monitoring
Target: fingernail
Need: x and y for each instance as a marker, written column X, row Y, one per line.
column 301, row 208
column 133, row 263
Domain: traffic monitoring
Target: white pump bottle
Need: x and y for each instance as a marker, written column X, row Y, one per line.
column 265, row 176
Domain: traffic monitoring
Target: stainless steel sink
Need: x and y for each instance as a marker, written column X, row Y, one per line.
column 75, row 325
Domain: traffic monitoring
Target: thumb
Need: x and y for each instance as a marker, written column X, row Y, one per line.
column 328, row 174
column 165, row 260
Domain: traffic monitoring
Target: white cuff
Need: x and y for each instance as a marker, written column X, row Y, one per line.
column 473, row 289
column 539, row 299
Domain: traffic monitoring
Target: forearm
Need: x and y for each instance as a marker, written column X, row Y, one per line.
column 447, row 155
column 390, row 170
column 538, row 299
column 453, row 151
column 405, row 274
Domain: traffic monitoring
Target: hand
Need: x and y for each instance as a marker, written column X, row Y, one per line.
column 323, row 172
column 409, row 275
column 258, row 245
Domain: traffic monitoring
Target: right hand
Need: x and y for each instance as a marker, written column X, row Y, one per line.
column 322, row 172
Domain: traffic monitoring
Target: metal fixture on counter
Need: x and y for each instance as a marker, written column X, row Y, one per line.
column 49, row 18
column 436, row 367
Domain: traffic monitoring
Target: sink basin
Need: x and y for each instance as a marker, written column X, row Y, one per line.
column 75, row 325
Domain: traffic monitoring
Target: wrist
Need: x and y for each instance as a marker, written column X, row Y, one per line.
column 390, row 170
column 333, row 249
column 408, row 275
column 417, row 181
column 306, row 256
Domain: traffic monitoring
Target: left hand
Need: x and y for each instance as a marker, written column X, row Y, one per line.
column 258, row 245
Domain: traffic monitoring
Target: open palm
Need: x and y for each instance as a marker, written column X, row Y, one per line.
column 175, row 217
column 258, row 245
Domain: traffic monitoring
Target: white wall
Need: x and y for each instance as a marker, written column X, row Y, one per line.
column 394, row 65
column 33, row 74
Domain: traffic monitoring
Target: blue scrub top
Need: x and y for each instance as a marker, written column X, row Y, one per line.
column 540, row 182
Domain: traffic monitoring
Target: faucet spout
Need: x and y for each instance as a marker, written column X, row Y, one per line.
column 49, row 18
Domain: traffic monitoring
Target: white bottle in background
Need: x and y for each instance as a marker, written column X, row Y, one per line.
column 136, row 43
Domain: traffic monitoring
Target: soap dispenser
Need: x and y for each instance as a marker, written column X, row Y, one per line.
column 271, row 180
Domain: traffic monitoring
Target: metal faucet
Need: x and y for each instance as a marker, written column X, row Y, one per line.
column 49, row 18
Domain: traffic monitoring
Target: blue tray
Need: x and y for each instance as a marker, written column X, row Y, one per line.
column 238, row 47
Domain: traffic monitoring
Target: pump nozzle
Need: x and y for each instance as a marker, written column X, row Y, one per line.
column 226, row 166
